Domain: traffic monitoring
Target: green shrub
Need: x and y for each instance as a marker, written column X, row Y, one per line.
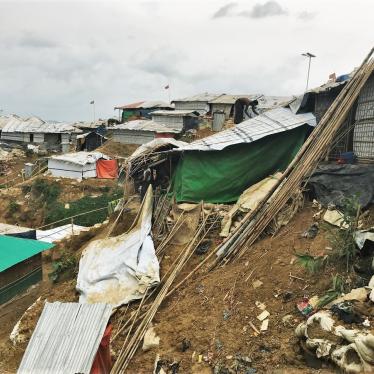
column 47, row 192
column 56, row 211
column 66, row 264
column 13, row 207
column 343, row 240
column 312, row 264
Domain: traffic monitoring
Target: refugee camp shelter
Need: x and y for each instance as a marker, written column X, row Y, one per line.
column 357, row 132
column 199, row 103
column 225, row 103
column 69, row 338
column 176, row 119
column 82, row 165
column 33, row 130
column 89, row 141
column 141, row 109
column 142, row 131
column 220, row 167
column 20, row 265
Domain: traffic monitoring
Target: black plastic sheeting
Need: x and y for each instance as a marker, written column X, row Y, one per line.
column 31, row 234
column 333, row 183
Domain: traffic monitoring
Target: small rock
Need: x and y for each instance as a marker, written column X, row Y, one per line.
column 257, row 283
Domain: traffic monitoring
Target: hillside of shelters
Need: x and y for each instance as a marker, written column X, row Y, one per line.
column 215, row 233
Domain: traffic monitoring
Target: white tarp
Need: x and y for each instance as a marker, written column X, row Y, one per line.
column 76, row 165
column 59, row 233
column 119, row 269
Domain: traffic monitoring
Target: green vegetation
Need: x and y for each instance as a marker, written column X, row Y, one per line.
column 46, row 195
column 334, row 292
column 13, row 207
column 343, row 240
column 57, row 211
column 45, row 191
column 67, row 264
column 312, row 264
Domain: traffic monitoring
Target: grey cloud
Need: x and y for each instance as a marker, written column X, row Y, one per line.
column 306, row 15
column 268, row 9
column 224, row 11
column 31, row 40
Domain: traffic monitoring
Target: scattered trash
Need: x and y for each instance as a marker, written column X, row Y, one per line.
column 264, row 325
column 260, row 305
column 345, row 311
column 312, row 232
column 151, row 340
column 335, row 217
column 366, row 323
column 304, row 307
column 185, row 345
column 351, row 350
column 287, row 320
column 203, row 247
column 265, row 314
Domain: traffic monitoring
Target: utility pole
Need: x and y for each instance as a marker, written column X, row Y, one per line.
column 309, row 56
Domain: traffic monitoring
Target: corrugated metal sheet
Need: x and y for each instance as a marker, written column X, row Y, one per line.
column 205, row 97
column 80, row 158
column 36, row 125
column 175, row 113
column 230, row 99
column 145, row 125
column 66, row 338
column 271, row 122
column 4, row 120
column 363, row 135
column 145, row 105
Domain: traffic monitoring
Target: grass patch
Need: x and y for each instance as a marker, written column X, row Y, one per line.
column 57, row 211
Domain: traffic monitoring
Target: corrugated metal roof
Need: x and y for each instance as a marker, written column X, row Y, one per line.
column 271, row 122
column 146, row 125
column 80, row 158
column 36, row 125
column 175, row 113
column 230, row 99
column 200, row 97
column 145, row 105
column 14, row 250
column 8, row 118
column 66, row 338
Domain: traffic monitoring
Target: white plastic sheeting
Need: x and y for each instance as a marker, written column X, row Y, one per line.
column 59, row 233
column 77, row 165
column 119, row 269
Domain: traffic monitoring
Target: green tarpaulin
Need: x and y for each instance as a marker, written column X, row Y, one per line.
column 221, row 176
column 14, row 250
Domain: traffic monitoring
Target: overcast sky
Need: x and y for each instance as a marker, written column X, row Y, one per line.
column 57, row 56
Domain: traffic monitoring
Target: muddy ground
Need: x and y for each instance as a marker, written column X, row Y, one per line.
column 211, row 314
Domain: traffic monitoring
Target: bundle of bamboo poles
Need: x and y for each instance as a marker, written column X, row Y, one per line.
column 303, row 165
column 129, row 349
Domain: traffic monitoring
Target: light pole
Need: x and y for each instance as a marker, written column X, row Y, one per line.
column 309, row 55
